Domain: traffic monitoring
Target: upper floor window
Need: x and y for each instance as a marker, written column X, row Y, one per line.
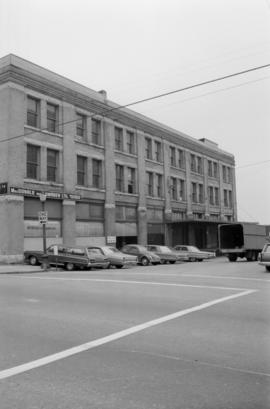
column 52, row 111
column 118, row 132
column 199, row 165
column 158, row 151
column 131, row 180
column 210, row 168
column 33, row 112
column 131, row 147
column 80, row 125
column 96, row 131
column 196, row 164
column 52, row 162
column 159, row 185
column 119, row 171
column 173, row 188
column 182, row 192
column 201, row 195
column 216, row 196
column 97, row 173
column 172, row 156
column 150, row 187
column 181, row 159
column 81, row 170
column 32, row 161
column 148, row 148
column 194, row 192
column 215, row 170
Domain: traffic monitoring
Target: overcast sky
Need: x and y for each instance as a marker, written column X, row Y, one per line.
column 136, row 49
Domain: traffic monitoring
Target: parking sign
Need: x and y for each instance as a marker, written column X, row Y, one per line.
column 43, row 217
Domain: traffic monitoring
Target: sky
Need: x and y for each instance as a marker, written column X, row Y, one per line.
column 135, row 49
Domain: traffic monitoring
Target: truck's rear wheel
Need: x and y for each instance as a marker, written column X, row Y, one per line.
column 232, row 257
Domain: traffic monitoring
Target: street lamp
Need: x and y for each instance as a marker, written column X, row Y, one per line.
column 42, row 198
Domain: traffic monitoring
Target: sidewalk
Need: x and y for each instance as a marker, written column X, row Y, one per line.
column 19, row 268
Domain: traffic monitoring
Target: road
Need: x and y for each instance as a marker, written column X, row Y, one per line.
column 183, row 336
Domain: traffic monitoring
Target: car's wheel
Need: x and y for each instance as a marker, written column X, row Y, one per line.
column 144, row 261
column 33, row 260
column 69, row 266
column 232, row 257
column 200, row 259
column 192, row 259
column 119, row 266
column 172, row 262
column 267, row 268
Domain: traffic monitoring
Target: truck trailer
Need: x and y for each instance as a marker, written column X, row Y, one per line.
column 241, row 240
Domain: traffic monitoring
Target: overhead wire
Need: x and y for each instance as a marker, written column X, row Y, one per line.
column 118, row 107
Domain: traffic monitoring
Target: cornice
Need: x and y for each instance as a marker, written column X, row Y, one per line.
column 64, row 93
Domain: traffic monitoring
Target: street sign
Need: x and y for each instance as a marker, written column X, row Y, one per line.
column 43, row 217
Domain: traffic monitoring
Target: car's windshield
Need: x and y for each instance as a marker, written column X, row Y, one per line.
column 110, row 250
column 164, row 249
column 193, row 248
column 92, row 250
column 141, row 248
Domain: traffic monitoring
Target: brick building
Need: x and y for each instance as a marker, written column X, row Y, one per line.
column 110, row 175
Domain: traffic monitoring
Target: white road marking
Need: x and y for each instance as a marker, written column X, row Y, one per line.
column 109, row 280
column 223, row 277
column 113, row 337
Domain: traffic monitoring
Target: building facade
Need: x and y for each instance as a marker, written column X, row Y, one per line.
column 110, row 175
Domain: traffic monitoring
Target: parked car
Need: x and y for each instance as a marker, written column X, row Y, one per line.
column 264, row 257
column 145, row 256
column 69, row 257
column 117, row 258
column 165, row 254
column 192, row 253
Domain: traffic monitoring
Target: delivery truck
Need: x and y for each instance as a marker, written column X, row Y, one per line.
column 241, row 240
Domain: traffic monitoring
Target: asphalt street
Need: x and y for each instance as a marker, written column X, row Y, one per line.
column 183, row 336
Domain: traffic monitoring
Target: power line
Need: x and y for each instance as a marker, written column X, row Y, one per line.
column 108, row 110
column 253, row 164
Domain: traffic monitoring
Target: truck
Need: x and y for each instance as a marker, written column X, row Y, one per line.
column 241, row 240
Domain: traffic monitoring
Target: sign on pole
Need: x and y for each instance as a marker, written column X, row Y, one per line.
column 43, row 217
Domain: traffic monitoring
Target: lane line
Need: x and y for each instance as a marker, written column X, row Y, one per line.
column 199, row 362
column 113, row 337
column 104, row 280
column 224, row 277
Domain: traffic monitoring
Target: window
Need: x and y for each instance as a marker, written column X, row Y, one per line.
column 201, row 195
column 192, row 163
column 194, row 192
column 216, row 196
column 96, row 131
column 118, row 132
column 224, row 174
column 158, row 151
column 159, row 185
column 52, row 159
column 229, row 175
column 172, row 156
column 173, row 188
column 81, row 170
column 182, row 190
column 211, row 195
column 32, row 162
column 215, row 170
column 119, row 169
column 33, row 112
column 210, row 168
column 97, row 173
column 131, row 142
column 199, row 165
column 148, row 148
column 80, row 125
column 52, row 111
column 230, row 198
column 226, row 203
column 149, row 183
column 131, row 180
column 181, row 159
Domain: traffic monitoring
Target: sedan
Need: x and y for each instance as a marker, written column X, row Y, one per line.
column 264, row 257
column 117, row 258
column 165, row 254
column 192, row 253
column 145, row 256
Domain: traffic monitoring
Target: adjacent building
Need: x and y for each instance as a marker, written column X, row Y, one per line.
column 109, row 174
